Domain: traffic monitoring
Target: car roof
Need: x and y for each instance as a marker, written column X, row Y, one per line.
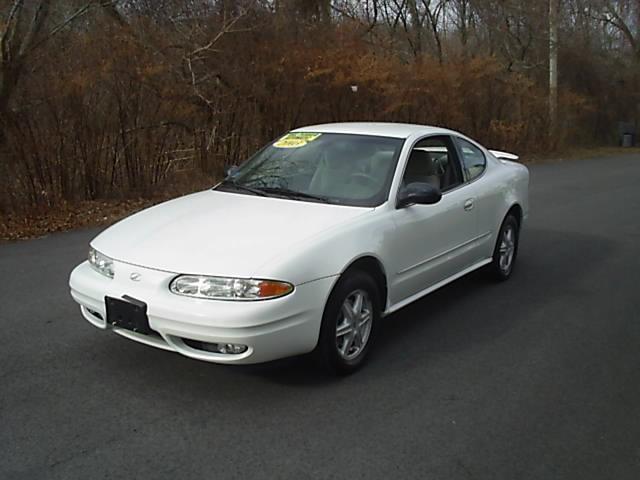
column 396, row 130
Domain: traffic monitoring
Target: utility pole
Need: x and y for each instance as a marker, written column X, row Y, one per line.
column 553, row 66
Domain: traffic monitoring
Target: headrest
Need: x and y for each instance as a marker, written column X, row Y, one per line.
column 420, row 156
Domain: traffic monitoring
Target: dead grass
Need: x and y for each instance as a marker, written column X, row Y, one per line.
column 68, row 217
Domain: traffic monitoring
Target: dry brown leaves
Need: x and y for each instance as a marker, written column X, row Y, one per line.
column 68, row 217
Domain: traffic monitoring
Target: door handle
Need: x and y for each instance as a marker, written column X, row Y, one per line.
column 468, row 204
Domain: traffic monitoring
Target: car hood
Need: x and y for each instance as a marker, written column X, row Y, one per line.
column 218, row 233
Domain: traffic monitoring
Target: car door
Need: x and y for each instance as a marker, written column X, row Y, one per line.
column 430, row 243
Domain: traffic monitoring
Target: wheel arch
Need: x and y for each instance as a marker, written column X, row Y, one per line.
column 516, row 211
column 374, row 267
column 513, row 208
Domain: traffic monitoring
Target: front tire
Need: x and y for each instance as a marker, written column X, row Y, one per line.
column 348, row 324
column 506, row 249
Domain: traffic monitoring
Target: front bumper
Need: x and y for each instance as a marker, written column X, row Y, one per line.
column 271, row 329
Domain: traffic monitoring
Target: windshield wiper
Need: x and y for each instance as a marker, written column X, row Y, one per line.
column 266, row 191
column 244, row 188
column 285, row 192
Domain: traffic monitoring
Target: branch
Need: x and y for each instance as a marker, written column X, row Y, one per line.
column 225, row 29
column 10, row 29
column 55, row 30
column 193, row 55
column 108, row 5
column 619, row 22
column 37, row 23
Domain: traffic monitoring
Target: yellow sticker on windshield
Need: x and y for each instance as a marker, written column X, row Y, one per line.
column 296, row 139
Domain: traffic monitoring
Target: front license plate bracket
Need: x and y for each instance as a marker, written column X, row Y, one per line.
column 128, row 313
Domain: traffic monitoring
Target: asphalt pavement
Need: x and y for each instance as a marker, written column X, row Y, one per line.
column 536, row 378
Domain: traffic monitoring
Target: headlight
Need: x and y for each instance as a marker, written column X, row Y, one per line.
column 222, row 288
column 101, row 263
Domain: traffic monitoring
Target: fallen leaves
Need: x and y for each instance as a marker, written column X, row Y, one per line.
column 68, row 216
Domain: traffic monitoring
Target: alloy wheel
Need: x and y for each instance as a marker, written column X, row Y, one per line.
column 353, row 326
column 507, row 248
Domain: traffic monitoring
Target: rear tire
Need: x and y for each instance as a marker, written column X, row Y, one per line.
column 506, row 249
column 349, row 324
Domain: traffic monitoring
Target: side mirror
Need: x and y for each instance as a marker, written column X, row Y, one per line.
column 229, row 170
column 418, row 193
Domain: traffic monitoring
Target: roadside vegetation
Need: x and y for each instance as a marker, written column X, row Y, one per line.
column 107, row 106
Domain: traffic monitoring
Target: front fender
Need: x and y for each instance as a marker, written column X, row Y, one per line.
column 331, row 252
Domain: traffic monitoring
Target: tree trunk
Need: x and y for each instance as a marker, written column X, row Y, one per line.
column 553, row 66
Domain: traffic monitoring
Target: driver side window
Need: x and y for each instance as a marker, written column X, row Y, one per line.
column 433, row 160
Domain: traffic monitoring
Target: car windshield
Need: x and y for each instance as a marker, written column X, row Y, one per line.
column 327, row 167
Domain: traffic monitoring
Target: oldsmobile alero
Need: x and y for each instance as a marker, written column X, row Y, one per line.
column 305, row 246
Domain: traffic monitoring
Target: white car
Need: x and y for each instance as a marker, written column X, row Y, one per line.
column 305, row 246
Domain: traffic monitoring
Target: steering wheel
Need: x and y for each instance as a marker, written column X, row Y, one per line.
column 270, row 180
column 359, row 176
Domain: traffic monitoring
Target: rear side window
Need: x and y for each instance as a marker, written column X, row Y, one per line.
column 472, row 158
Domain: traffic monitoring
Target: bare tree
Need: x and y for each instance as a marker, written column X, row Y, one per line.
column 624, row 16
column 462, row 15
column 28, row 26
column 434, row 11
column 553, row 65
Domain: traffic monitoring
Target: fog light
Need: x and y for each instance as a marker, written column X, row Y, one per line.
column 223, row 348
column 231, row 348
